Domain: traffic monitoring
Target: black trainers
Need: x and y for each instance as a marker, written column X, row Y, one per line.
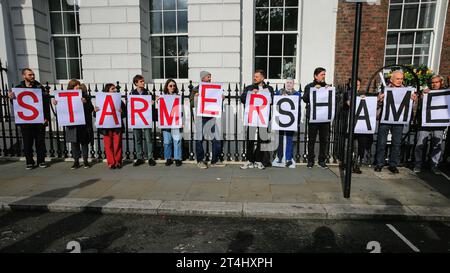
column 75, row 165
column 30, row 167
column 43, row 165
column 289, row 163
column 378, row 169
column 169, row 162
column 138, row 162
column 356, row 170
column 86, row 164
column 151, row 162
column 393, row 169
column 310, row 165
column 323, row 165
column 435, row 170
column 178, row 163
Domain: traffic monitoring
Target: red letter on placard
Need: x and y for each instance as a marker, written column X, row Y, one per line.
column 27, row 106
column 205, row 100
column 69, row 96
column 258, row 109
column 135, row 111
column 164, row 114
column 108, row 103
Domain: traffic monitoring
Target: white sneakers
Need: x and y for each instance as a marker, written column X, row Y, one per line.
column 250, row 165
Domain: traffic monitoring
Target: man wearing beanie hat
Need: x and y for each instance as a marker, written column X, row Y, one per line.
column 205, row 76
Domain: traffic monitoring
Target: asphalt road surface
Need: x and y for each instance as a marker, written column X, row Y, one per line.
column 96, row 233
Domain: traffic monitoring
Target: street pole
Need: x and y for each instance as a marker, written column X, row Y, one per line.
column 356, row 43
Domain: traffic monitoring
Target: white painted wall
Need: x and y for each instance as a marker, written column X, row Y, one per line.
column 7, row 52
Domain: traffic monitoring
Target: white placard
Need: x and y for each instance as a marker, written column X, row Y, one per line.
column 285, row 113
column 69, row 108
column 257, row 109
column 322, row 104
column 170, row 112
column 397, row 107
column 210, row 100
column 366, row 115
column 28, row 106
column 108, row 116
column 139, row 111
column 436, row 109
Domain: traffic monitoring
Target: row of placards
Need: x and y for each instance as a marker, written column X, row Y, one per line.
column 397, row 109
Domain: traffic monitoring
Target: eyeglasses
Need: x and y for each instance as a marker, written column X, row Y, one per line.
column 172, row 85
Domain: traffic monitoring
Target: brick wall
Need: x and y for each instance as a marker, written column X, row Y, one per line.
column 445, row 54
column 373, row 37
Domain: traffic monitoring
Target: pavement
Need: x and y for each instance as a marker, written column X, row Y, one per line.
column 298, row 193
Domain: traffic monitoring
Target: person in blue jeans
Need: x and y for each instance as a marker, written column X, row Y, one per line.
column 172, row 137
column 285, row 149
column 396, row 130
column 208, row 128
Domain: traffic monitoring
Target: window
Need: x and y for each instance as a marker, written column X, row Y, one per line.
column 276, row 35
column 65, row 33
column 169, row 40
column 410, row 32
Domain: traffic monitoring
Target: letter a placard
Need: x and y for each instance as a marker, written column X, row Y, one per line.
column 28, row 106
column 69, row 108
column 109, row 116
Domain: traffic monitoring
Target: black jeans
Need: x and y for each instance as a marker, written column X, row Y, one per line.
column 323, row 129
column 254, row 154
column 76, row 151
column 365, row 142
column 34, row 134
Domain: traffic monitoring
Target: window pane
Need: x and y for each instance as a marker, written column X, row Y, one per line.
column 182, row 4
column 427, row 13
column 261, row 63
column 69, row 23
column 157, row 46
column 391, row 61
column 291, row 20
column 61, row 69
column 56, row 23
column 170, row 44
column 156, row 22
column 293, row 3
column 169, row 4
column 275, row 45
column 68, row 5
column 55, row 5
column 72, row 47
column 406, row 43
column 182, row 22
column 290, row 44
column 262, row 3
column 394, row 17
column 423, row 38
column 421, row 60
column 262, row 19
column 274, row 68
column 410, row 16
column 182, row 46
column 276, row 19
column 158, row 68
column 184, row 67
column 276, row 3
column 261, row 44
column 59, row 47
column 404, row 60
column 171, row 68
column 156, row 5
column 289, row 68
column 170, row 22
column 74, row 69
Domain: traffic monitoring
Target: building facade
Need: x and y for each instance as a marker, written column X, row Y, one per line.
column 101, row 41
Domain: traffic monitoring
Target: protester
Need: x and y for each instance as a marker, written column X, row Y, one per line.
column 34, row 134
column 142, row 136
column 112, row 138
column 256, row 157
column 286, row 144
column 323, row 128
column 172, row 137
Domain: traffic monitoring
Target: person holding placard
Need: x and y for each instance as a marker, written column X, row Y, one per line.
column 396, row 130
column 141, row 135
column 80, row 136
column 208, row 123
column 172, row 137
column 437, row 134
column 34, row 133
column 286, row 144
column 322, row 129
column 256, row 157
column 112, row 137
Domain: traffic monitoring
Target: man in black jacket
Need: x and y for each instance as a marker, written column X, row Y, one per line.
column 34, row 133
column 256, row 158
column 323, row 129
